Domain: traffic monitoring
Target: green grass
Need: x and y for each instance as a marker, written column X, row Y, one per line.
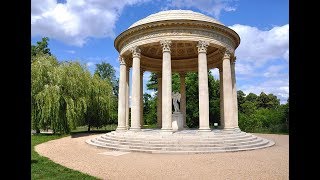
column 43, row 168
column 105, row 129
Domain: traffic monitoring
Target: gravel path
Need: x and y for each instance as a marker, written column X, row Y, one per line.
column 74, row 153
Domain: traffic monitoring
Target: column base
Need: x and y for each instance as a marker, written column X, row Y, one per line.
column 237, row 129
column 121, row 128
column 229, row 130
column 204, row 130
column 166, row 130
column 135, row 129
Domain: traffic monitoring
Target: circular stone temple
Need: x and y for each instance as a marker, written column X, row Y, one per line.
column 177, row 41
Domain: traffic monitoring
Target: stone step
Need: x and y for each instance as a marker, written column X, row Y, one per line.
column 262, row 144
column 181, row 142
column 176, row 147
column 155, row 138
column 143, row 135
column 184, row 141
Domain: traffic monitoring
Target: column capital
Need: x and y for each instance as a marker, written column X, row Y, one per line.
column 122, row 60
column 136, row 52
column 227, row 55
column 165, row 45
column 202, row 46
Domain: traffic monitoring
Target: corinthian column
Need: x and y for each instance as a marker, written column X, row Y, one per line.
column 183, row 97
column 166, row 86
column 159, row 101
column 135, row 105
column 127, row 99
column 141, row 97
column 228, row 104
column 122, row 96
column 234, row 94
column 203, row 86
column 221, row 96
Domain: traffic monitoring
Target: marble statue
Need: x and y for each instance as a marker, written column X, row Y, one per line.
column 176, row 98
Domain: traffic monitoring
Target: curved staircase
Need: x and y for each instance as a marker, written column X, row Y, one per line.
column 181, row 142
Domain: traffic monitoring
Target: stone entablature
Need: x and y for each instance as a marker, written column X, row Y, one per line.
column 182, row 30
column 184, row 35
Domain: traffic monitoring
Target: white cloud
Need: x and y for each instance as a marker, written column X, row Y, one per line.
column 258, row 46
column 262, row 60
column 278, row 87
column 215, row 73
column 244, row 69
column 274, row 71
column 71, row 51
column 212, row 7
column 90, row 64
column 146, row 76
column 286, row 55
column 74, row 21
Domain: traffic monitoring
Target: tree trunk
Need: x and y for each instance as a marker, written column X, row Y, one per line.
column 38, row 131
column 89, row 128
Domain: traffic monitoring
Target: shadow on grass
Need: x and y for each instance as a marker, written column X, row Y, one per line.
column 86, row 133
column 34, row 161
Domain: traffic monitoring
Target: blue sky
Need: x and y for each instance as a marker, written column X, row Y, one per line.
column 84, row 30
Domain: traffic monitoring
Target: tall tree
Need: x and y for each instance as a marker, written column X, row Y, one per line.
column 106, row 71
column 214, row 99
column 241, row 97
column 101, row 102
column 149, row 109
column 153, row 82
column 41, row 47
column 251, row 97
column 267, row 101
column 45, row 95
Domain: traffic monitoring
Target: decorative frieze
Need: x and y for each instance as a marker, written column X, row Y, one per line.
column 145, row 37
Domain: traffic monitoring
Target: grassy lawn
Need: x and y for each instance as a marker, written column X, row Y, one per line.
column 107, row 128
column 43, row 168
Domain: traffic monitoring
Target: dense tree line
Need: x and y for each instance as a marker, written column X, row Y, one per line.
column 65, row 95
column 262, row 113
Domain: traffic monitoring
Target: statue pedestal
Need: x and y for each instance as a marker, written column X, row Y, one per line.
column 177, row 121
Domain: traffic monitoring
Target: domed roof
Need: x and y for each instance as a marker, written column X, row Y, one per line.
column 175, row 15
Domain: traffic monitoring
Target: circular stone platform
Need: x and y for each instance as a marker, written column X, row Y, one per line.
column 184, row 141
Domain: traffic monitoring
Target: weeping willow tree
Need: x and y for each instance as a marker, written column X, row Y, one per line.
column 101, row 103
column 65, row 95
column 74, row 81
column 45, row 94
